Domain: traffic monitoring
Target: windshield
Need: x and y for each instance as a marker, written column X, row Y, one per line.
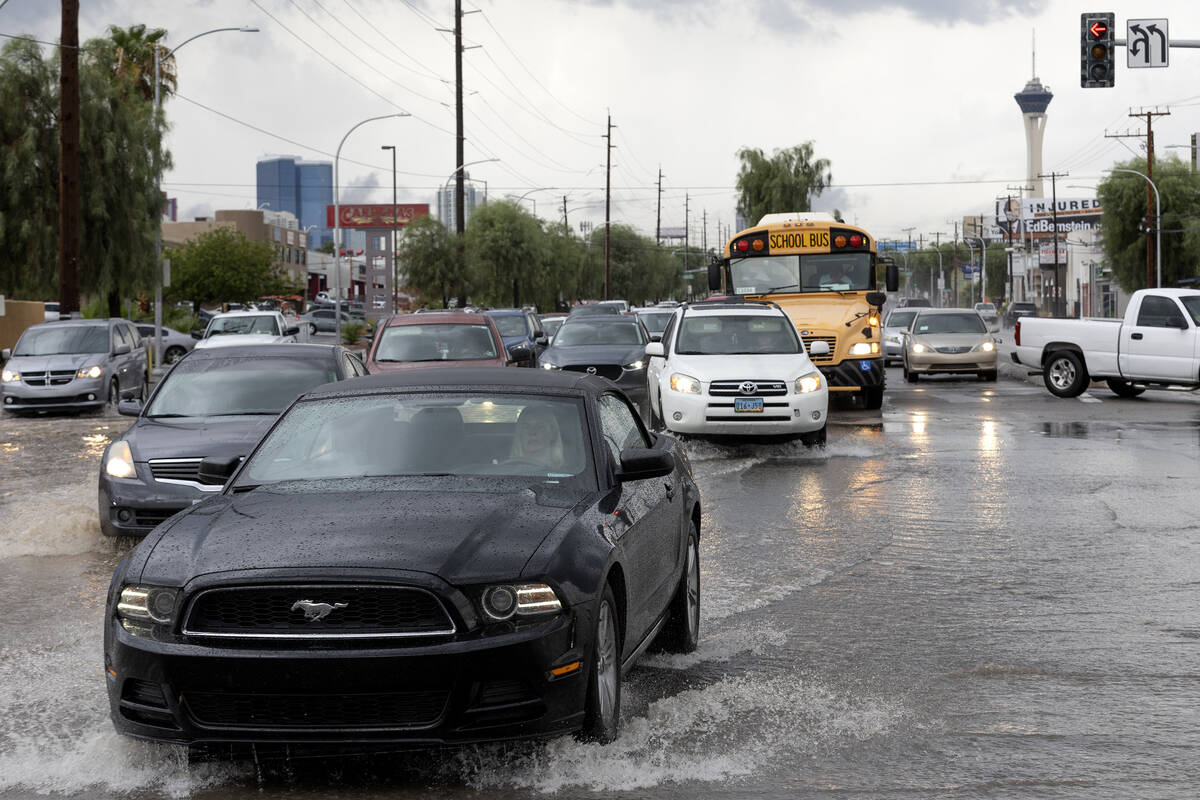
column 446, row 341
column 655, row 322
column 264, row 323
column 985, row 307
column 740, row 334
column 1192, row 304
column 551, row 326
column 510, row 325
column 542, row 438
column 949, row 323
column 810, row 273
column 231, row 386
column 577, row 332
column 900, row 319
column 63, row 339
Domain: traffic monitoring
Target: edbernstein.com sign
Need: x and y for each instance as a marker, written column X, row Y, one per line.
column 1074, row 214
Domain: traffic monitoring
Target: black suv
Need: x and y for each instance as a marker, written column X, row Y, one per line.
column 1018, row 310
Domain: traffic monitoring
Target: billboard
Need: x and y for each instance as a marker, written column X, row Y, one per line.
column 377, row 215
column 1035, row 216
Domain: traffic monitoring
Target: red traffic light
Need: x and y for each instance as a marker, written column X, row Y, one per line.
column 1098, row 29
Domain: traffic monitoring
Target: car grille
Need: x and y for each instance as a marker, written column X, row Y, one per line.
column 57, row 377
column 268, row 612
column 953, row 351
column 152, row 517
column 831, row 340
column 610, row 371
column 384, row 710
column 762, row 388
column 176, row 469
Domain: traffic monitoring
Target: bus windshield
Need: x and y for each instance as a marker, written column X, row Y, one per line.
column 826, row 272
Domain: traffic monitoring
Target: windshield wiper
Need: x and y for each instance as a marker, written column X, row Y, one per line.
column 245, row 487
column 167, row 416
column 774, row 289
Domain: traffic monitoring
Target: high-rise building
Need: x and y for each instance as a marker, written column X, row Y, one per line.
column 303, row 188
column 445, row 203
column 1033, row 100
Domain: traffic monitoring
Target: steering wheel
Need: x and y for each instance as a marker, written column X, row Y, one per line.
column 523, row 462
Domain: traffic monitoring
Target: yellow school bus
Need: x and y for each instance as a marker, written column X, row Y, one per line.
column 822, row 273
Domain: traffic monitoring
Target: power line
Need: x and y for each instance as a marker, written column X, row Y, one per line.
column 367, row 44
column 391, row 42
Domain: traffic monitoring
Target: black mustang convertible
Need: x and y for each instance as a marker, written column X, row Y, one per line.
column 437, row 556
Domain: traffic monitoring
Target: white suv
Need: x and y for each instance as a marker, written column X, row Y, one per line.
column 736, row 367
column 246, row 327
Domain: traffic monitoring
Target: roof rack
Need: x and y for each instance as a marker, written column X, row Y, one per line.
column 734, row 300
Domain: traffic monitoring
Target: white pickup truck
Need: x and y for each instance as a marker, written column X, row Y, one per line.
column 1156, row 345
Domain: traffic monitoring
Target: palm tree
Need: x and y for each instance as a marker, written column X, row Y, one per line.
column 133, row 57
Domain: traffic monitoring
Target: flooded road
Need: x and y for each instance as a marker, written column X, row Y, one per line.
column 985, row 591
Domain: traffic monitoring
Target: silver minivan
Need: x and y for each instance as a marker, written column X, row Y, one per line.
column 74, row 364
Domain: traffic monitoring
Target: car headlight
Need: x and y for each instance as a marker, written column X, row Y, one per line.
column 90, row 372
column 987, row 347
column 918, row 347
column 548, row 365
column 808, row 383
column 685, row 383
column 140, row 605
column 864, row 348
column 521, row 600
column 634, row 365
column 10, row 376
column 119, row 462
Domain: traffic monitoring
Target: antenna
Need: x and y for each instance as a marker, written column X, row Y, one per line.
column 1034, row 34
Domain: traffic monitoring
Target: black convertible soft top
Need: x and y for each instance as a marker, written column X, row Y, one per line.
column 467, row 378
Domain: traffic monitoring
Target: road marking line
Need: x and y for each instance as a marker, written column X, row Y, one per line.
column 1087, row 398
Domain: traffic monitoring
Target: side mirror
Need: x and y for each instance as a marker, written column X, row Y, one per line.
column 120, row 349
column 1177, row 322
column 542, row 341
column 877, row 298
column 655, row 349
column 291, row 330
column 519, row 352
column 197, row 334
column 638, row 463
column 215, row 470
column 656, row 337
column 129, row 408
column 819, row 348
column 6, row 354
column 539, row 334
column 714, row 276
column 891, row 278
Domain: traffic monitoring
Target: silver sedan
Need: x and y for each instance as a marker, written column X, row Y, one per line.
column 948, row 340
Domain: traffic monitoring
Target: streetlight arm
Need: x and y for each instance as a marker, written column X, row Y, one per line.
column 1157, row 222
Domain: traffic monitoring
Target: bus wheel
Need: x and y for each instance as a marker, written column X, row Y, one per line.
column 872, row 397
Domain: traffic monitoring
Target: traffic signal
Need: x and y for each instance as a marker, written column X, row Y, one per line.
column 1097, row 69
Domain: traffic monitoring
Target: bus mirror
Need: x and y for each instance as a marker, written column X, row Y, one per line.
column 714, row 276
column 891, row 278
column 876, row 298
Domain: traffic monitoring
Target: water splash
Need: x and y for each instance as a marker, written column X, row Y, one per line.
column 53, row 522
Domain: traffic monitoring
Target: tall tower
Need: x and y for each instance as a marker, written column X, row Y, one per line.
column 1033, row 100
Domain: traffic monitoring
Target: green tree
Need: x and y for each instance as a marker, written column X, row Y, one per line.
column 222, row 265
column 1123, row 197
column 787, row 180
column 506, row 252
column 133, row 58
column 430, row 260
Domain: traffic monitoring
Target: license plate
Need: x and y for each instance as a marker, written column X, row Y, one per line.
column 747, row 404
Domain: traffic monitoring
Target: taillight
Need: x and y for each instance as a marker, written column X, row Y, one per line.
column 758, row 245
column 839, row 241
column 1017, row 334
column 743, row 246
column 856, row 240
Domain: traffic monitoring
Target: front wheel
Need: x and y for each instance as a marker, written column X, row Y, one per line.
column 909, row 376
column 173, row 354
column 656, row 417
column 1064, row 374
column 681, row 634
column 312, row 329
column 872, row 398
column 815, row 438
column 990, row 375
column 602, row 714
column 1124, row 388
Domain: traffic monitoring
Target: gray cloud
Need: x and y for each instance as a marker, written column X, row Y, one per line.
column 362, row 190
column 792, row 15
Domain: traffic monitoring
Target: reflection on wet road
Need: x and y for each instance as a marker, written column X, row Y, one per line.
column 985, row 592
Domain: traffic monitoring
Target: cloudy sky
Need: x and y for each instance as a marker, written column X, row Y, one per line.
column 911, row 100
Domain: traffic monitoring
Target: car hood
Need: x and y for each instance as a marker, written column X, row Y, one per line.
column 231, row 339
column 59, row 361
column 594, row 354
column 777, row 366
column 463, row 537
column 951, row 339
column 196, row 438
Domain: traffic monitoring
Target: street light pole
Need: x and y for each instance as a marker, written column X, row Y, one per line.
column 337, row 219
column 1157, row 224
column 983, row 267
column 392, row 252
column 158, row 267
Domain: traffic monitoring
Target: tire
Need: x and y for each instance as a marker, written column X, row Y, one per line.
column 114, row 397
column 312, row 329
column 872, row 398
column 173, row 354
column 1124, row 388
column 656, row 419
column 816, row 438
column 1064, row 374
column 990, row 375
column 911, row 377
column 602, row 712
column 144, row 389
column 681, row 634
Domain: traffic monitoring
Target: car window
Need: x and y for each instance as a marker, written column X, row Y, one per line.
column 580, row 331
column 451, row 341
column 147, row 330
column 352, row 366
column 237, row 385
column 135, row 340
column 619, row 427
column 511, row 325
column 67, row 339
column 900, row 319
column 1156, row 310
column 969, row 322
column 1192, row 304
column 667, row 333
column 119, row 336
column 730, row 334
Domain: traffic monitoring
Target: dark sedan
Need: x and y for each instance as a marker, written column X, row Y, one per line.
column 612, row 346
column 427, row 557
column 217, row 403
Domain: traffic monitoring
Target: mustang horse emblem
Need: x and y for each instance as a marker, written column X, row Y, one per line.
column 316, row 611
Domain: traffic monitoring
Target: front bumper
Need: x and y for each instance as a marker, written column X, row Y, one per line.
column 854, row 374
column 466, row 688
column 78, row 394
column 934, row 362
column 135, row 506
column 781, row 414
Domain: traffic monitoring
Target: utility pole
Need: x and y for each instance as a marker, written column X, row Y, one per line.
column 1012, row 289
column 658, row 215
column 937, row 246
column 1149, row 115
column 608, row 148
column 1060, row 296
column 954, row 269
column 704, row 231
column 685, row 234
column 566, row 224
column 69, row 203
column 907, row 269
column 459, row 204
